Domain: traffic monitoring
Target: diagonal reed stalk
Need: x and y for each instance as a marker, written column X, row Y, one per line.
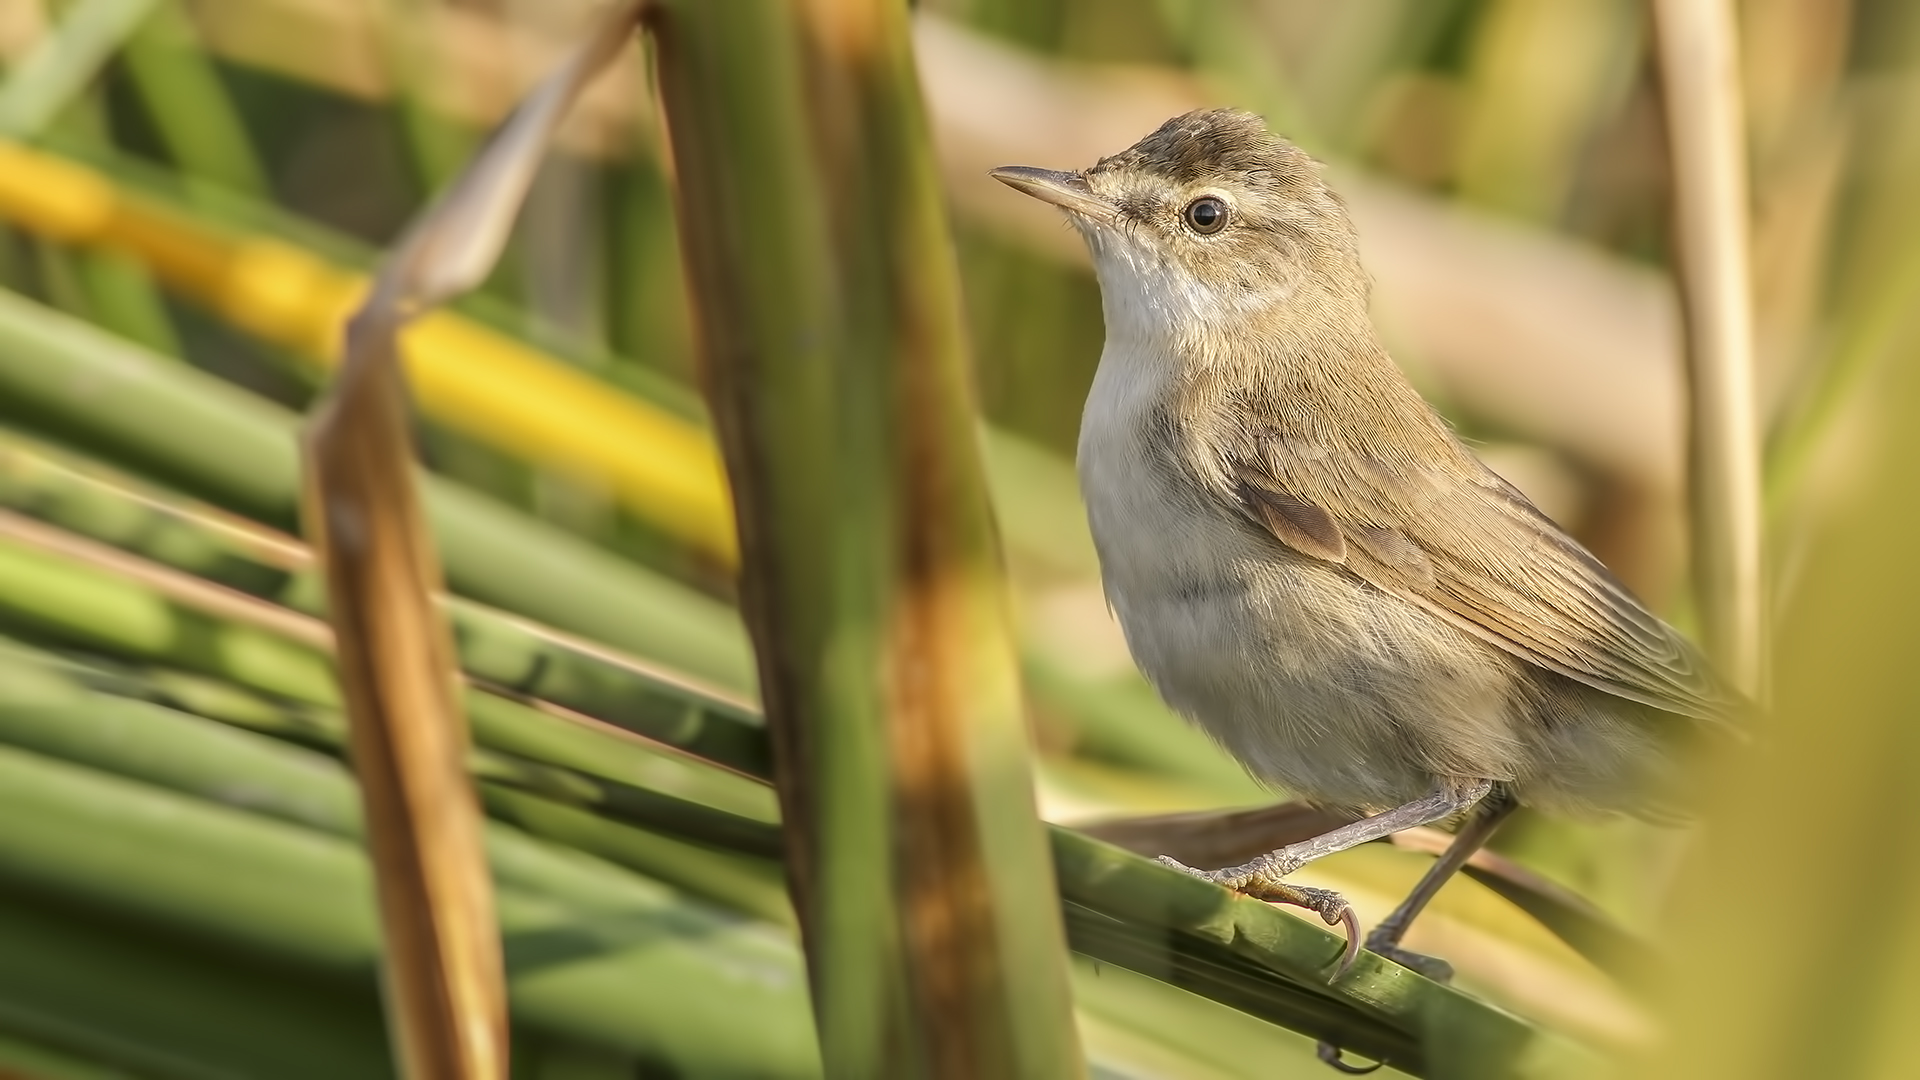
column 1700, row 77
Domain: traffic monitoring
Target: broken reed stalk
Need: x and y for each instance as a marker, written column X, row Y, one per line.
column 446, row 994
column 446, row 991
column 1700, row 77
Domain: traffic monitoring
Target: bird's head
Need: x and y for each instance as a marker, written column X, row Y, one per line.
column 1207, row 223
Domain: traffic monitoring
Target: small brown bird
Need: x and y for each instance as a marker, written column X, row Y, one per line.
column 1308, row 563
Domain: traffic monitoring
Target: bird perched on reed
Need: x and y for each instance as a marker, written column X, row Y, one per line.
column 1305, row 559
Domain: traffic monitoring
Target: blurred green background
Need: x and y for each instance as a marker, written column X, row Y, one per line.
column 189, row 190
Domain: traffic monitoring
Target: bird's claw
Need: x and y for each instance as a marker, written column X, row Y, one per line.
column 1332, row 908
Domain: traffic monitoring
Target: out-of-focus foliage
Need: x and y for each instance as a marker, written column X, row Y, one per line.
column 210, row 180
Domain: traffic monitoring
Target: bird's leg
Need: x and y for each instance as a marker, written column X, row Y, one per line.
column 1385, row 939
column 1261, row 878
column 1473, row 835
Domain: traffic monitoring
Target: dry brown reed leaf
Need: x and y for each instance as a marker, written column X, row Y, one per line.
column 446, row 993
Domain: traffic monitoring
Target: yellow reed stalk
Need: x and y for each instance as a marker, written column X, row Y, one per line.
column 464, row 375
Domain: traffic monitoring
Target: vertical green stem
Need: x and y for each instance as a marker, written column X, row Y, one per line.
column 822, row 276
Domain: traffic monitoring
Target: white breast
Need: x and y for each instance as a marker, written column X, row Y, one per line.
column 1305, row 675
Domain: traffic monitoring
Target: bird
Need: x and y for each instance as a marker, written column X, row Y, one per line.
column 1309, row 564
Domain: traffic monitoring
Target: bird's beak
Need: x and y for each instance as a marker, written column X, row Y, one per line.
column 1069, row 191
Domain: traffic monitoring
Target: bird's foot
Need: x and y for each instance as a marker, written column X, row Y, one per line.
column 1261, row 879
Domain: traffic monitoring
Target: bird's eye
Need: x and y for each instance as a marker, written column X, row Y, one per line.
column 1206, row 215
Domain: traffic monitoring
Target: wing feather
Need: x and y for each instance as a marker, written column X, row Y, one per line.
column 1470, row 547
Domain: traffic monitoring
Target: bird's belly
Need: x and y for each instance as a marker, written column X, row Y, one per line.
column 1314, row 680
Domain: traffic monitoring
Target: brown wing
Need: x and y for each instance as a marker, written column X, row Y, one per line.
column 1467, row 545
